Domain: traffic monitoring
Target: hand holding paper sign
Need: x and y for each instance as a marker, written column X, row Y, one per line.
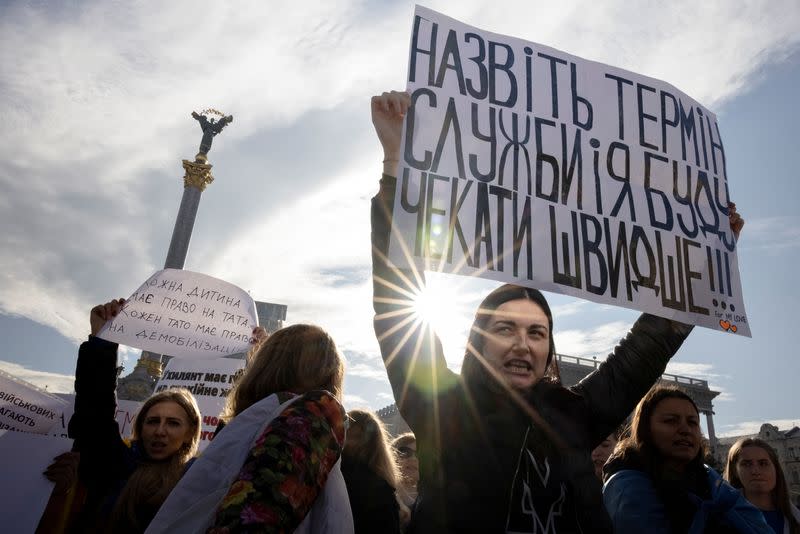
column 260, row 335
column 102, row 313
column 737, row 223
column 388, row 111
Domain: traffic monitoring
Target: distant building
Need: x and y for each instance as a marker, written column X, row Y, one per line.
column 785, row 442
column 573, row 369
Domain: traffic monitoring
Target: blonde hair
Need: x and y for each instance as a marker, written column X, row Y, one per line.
column 404, row 440
column 298, row 359
column 151, row 482
column 374, row 448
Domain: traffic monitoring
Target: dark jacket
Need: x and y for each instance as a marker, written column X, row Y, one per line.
column 106, row 460
column 635, row 504
column 487, row 463
column 372, row 499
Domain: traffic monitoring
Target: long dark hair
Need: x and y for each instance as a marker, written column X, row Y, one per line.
column 473, row 370
column 780, row 493
column 639, row 444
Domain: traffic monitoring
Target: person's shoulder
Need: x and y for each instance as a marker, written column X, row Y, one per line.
column 626, row 460
column 322, row 404
column 319, row 396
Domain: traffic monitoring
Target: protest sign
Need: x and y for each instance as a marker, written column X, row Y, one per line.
column 27, row 408
column 209, row 381
column 126, row 412
column 525, row 164
column 185, row 315
column 23, row 459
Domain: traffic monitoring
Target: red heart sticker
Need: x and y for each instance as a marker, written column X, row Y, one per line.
column 725, row 325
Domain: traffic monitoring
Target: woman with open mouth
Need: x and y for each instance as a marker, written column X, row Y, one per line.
column 656, row 480
column 126, row 481
column 502, row 446
column 753, row 467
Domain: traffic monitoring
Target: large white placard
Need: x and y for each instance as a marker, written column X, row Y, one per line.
column 525, row 164
column 25, row 490
column 209, row 381
column 185, row 315
column 27, row 408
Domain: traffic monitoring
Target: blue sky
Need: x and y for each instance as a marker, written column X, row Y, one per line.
column 94, row 115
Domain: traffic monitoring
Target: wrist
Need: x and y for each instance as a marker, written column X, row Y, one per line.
column 390, row 166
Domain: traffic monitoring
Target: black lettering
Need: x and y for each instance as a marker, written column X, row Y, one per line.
column 620, row 102
column 640, row 88
column 490, row 138
column 416, row 50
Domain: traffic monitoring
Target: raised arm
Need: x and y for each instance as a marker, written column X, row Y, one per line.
column 410, row 348
column 93, row 425
column 637, row 362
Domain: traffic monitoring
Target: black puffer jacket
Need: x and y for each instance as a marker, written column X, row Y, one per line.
column 487, row 463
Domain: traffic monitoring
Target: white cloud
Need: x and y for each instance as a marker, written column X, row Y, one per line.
column 52, row 382
column 365, row 370
column 772, row 233
column 703, row 371
column 598, row 341
column 99, row 109
column 128, row 357
column 352, row 402
column 385, row 397
column 572, row 308
column 698, row 370
column 753, row 427
column 95, row 104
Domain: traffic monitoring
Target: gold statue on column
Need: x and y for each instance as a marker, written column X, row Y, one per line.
column 198, row 172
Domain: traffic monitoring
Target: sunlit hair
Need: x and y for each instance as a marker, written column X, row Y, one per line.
column 298, row 359
column 640, row 441
column 404, row 440
column 472, row 369
column 407, row 480
column 780, row 494
column 372, row 447
column 150, row 484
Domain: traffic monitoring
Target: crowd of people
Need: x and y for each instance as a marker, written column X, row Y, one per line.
column 501, row 446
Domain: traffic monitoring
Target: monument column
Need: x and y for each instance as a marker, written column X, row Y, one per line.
column 712, row 436
column 140, row 383
column 197, row 177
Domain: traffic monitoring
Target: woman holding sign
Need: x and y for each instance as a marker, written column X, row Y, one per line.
column 503, row 446
column 126, row 482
